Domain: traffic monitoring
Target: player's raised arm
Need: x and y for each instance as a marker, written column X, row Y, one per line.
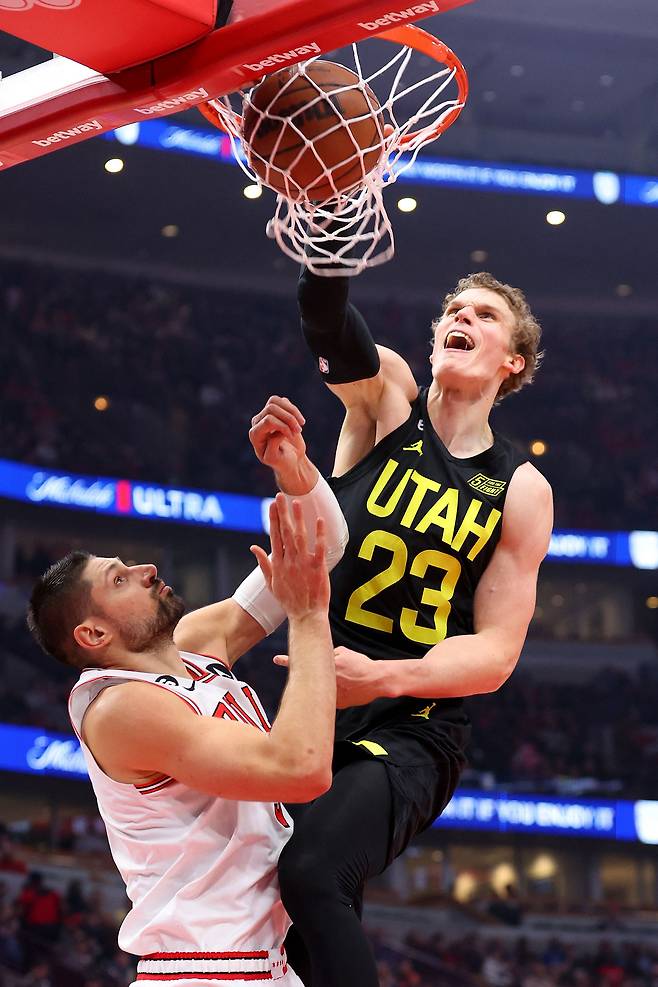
column 233, row 626
column 136, row 730
column 374, row 383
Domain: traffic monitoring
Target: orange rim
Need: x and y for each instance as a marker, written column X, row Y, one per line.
column 408, row 36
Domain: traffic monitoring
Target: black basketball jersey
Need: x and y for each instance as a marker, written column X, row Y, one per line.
column 423, row 526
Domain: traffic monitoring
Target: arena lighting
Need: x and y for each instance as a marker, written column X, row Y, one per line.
column 252, row 191
column 102, row 403
column 169, row 231
column 652, row 602
column 241, row 512
column 479, row 256
column 538, row 448
column 407, row 203
column 114, row 166
column 555, row 217
column 623, row 290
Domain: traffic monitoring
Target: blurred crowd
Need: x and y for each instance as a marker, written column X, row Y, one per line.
column 474, row 962
column 53, row 939
column 183, row 369
column 48, row 939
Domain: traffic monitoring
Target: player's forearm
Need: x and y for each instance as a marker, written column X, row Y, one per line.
column 303, row 732
column 459, row 666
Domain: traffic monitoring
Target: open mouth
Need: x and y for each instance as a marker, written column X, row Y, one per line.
column 457, row 339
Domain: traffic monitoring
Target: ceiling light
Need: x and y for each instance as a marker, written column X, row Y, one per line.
column 170, row 230
column 252, row 191
column 114, row 166
column 555, row 217
column 623, row 290
column 488, row 95
column 652, row 602
column 538, row 448
column 101, row 403
column 407, row 204
column 479, row 256
column 606, row 80
column 517, row 71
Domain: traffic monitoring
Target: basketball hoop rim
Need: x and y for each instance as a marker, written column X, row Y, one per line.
column 408, row 36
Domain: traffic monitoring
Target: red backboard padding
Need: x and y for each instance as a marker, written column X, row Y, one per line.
column 55, row 108
column 109, row 35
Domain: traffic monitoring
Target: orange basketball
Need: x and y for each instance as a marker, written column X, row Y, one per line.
column 343, row 128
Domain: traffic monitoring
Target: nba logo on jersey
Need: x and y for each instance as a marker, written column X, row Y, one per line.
column 323, row 364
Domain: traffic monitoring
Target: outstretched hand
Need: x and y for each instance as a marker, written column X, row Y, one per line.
column 296, row 576
column 276, row 434
column 354, row 677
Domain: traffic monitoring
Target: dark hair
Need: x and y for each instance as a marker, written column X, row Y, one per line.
column 61, row 598
column 526, row 334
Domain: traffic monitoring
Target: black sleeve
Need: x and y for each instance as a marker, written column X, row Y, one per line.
column 335, row 331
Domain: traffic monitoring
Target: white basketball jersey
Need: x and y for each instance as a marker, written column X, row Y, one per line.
column 200, row 871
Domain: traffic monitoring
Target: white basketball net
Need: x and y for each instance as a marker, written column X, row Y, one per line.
column 349, row 231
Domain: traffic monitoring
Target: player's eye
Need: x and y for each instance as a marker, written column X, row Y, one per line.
column 119, row 579
column 486, row 315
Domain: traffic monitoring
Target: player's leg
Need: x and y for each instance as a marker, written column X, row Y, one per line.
column 340, row 840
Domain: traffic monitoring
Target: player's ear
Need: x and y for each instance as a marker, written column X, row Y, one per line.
column 92, row 635
column 514, row 363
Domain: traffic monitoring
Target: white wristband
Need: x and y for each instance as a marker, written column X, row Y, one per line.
column 253, row 595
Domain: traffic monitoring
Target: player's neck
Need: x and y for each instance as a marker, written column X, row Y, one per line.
column 461, row 421
column 160, row 661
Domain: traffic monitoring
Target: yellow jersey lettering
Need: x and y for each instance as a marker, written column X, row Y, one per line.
column 469, row 526
column 443, row 514
column 423, row 484
column 383, row 510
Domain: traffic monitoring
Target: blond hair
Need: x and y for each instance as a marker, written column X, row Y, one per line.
column 525, row 335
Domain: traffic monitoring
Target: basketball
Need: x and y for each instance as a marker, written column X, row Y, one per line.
column 313, row 133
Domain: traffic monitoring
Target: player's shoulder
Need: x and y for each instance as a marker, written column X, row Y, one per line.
column 528, row 516
column 527, row 481
column 129, row 703
column 396, row 371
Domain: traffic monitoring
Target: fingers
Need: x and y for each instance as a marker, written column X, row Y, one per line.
column 285, row 525
column 276, row 539
column 281, row 660
column 282, row 411
column 264, row 563
column 320, row 553
column 272, row 425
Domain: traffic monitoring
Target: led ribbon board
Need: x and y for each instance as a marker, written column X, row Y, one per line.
column 29, row 750
column 592, row 818
column 241, row 512
column 606, row 187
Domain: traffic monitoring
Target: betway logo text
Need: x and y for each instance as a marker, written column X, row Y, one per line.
column 171, row 104
column 281, row 57
column 406, row 14
column 67, row 135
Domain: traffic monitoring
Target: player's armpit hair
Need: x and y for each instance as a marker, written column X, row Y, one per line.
column 335, row 331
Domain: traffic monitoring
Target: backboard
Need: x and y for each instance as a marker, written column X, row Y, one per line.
column 136, row 59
